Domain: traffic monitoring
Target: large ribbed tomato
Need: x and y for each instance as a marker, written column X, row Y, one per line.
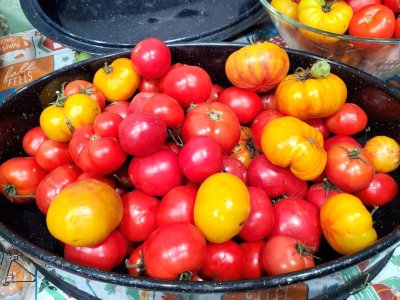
column 257, row 68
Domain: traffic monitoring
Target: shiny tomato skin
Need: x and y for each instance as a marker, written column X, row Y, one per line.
column 120, row 108
column 261, row 219
column 200, row 157
column 319, row 124
column 245, row 104
column 275, row 181
column 53, row 183
column 213, row 119
column 234, row 166
column 145, row 172
column 358, row 4
column 318, row 193
column 349, row 120
column 281, row 255
column 135, row 262
column 297, row 218
column 393, row 5
column 52, row 154
column 19, row 178
column 187, row 84
column 167, row 108
column 223, row 261
column 259, row 123
column 139, row 215
column 216, row 90
column 177, row 206
column 149, row 85
column 329, row 142
column 32, row 139
column 139, row 100
column 373, row 21
column 95, row 154
column 253, row 264
column 174, row 249
column 151, row 58
column 105, row 255
column 142, row 134
column 349, row 167
column 80, row 86
column 106, row 124
column 381, row 190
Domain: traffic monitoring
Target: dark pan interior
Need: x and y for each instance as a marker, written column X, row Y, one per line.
column 101, row 26
column 25, row 226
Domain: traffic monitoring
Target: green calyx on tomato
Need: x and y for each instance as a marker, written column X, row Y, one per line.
column 11, row 191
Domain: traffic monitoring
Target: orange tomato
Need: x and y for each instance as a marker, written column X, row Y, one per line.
column 385, row 153
column 84, row 213
column 257, row 68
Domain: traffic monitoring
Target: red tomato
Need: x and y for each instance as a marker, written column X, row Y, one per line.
column 19, row 178
column 236, row 167
column 139, row 100
column 381, row 190
column 85, row 87
column 139, row 215
column 349, row 120
column 200, row 157
column 177, row 206
column 273, row 180
column 106, row 124
column 104, row 256
column 319, row 124
column 32, row 139
column 151, row 58
column 135, row 262
column 329, row 142
column 357, row 4
column 149, row 85
column 118, row 107
column 259, row 123
column 216, row 90
column 107, row 180
column 253, row 265
column 174, row 250
column 297, row 218
column 284, row 254
column 349, row 167
column 157, row 173
column 142, row 134
column 319, row 192
column 95, row 154
column 397, row 29
column 246, row 105
column 215, row 120
column 53, row 183
column 52, row 154
column 269, row 101
column 223, row 261
column 261, row 219
column 393, row 5
column 167, row 108
column 187, row 84
column 373, row 21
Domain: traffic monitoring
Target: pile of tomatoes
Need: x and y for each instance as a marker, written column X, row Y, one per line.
column 154, row 165
column 360, row 18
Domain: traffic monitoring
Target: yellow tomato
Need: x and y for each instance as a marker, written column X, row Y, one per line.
column 385, row 153
column 221, row 207
column 58, row 121
column 84, row 213
column 287, row 7
column 290, row 142
column 347, row 224
column 118, row 81
column 309, row 94
column 331, row 16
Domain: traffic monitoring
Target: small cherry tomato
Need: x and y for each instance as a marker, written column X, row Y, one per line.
column 349, row 120
column 85, row 87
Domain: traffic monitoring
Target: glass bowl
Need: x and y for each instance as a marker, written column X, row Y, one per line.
column 378, row 57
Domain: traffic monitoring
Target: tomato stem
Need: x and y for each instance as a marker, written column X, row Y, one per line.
column 214, row 115
column 11, row 191
column 174, row 134
column 320, row 69
column 107, row 69
column 355, row 153
column 306, row 250
column 185, row 276
column 374, row 209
